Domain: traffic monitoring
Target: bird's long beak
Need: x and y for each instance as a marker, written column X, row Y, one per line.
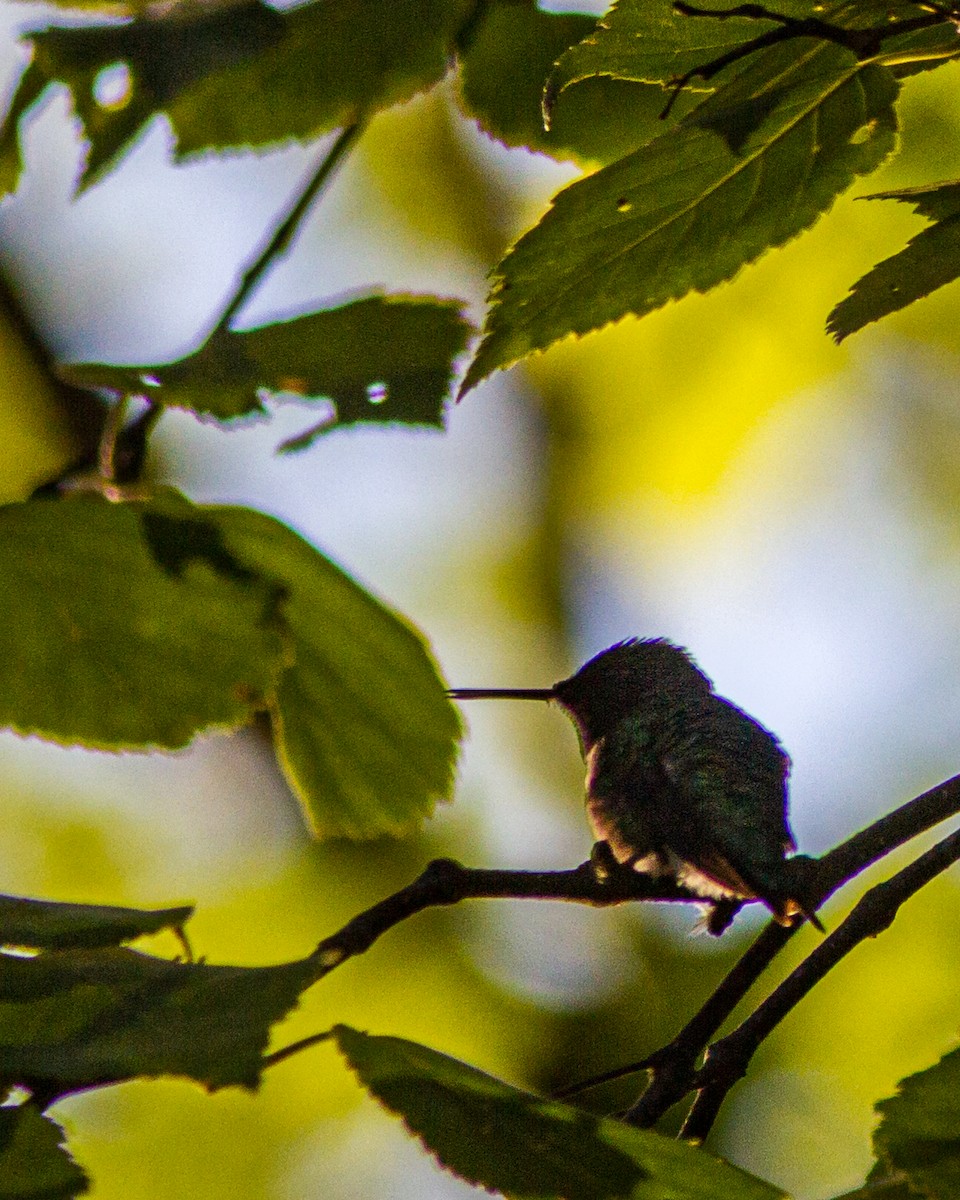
column 501, row 693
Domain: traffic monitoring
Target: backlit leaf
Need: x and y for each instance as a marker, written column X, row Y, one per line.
column 333, row 63
column 208, row 71
column 753, row 165
column 161, row 59
column 364, row 730
column 929, row 260
column 52, row 925
column 650, row 41
column 918, row 1137
column 508, row 1140
column 384, row 360
column 33, row 1162
column 102, row 644
column 72, row 1019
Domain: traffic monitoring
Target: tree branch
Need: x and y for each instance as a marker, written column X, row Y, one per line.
column 445, row 882
column 602, row 882
column 673, row 1067
column 727, row 1059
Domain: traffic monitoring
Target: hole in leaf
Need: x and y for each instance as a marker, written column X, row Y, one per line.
column 113, row 86
column 377, row 393
column 623, row 205
column 864, row 133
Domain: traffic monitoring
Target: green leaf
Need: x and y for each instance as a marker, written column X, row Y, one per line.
column 321, row 65
column 510, row 54
column 137, row 624
column 30, row 87
column 384, row 360
column 919, row 1132
column 508, row 1140
column 648, row 41
column 929, row 260
column 924, row 50
column 748, row 169
column 51, row 925
column 877, row 1188
column 102, row 645
column 33, row 1162
column 164, row 59
column 364, row 730
column 73, row 1019
column 334, row 61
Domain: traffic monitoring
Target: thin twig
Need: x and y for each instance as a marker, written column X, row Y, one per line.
column 445, row 882
column 288, row 225
column 727, row 1059
column 278, row 1056
column 673, row 1067
column 112, row 426
column 864, row 43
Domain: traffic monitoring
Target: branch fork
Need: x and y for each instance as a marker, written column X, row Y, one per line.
column 692, row 1062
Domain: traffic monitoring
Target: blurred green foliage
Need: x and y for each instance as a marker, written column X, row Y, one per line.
column 640, row 430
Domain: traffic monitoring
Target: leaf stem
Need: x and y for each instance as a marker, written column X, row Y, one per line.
column 285, row 1052
column 288, row 225
column 112, row 426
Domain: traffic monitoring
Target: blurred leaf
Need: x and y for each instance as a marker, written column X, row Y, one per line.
column 321, row 65
column 895, row 1188
column 142, row 623
column 51, row 925
column 919, row 1132
column 103, row 646
column 72, row 1019
column 164, row 57
column 930, row 260
column 508, row 1140
column 33, row 1162
column 33, row 83
column 334, row 62
column 748, row 169
column 385, row 359
column 364, row 730
column 503, row 71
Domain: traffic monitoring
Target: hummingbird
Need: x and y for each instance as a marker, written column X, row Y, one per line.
column 680, row 782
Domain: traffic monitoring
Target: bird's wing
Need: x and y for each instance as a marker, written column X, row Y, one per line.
column 730, row 813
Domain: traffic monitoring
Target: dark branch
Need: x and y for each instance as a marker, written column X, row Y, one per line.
column 673, row 1068
column 727, row 1059
column 601, row 881
column 445, row 882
